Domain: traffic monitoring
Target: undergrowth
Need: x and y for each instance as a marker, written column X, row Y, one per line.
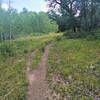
column 74, row 69
column 13, row 61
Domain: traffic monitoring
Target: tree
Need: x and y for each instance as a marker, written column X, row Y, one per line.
column 75, row 14
column 13, row 24
column 66, row 8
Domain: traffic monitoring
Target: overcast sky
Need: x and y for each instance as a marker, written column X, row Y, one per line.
column 31, row 5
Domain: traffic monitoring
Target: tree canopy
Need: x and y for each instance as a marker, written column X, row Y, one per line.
column 13, row 23
column 73, row 14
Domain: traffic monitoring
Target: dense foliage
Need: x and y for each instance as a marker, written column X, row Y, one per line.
column 76, row 15
column 13, row 23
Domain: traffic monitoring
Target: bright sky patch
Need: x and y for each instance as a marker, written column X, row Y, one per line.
column 31, row 5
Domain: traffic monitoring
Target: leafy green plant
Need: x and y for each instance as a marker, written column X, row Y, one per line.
column 7, row 49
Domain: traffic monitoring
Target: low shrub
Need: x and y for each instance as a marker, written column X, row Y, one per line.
column 7, row 49
column 72, row 35
column 83, row 34
column 97, row 34
column 58, row 38
column 25, row 51
column 90, row 37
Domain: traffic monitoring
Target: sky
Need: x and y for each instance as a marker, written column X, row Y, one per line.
column 31, row 5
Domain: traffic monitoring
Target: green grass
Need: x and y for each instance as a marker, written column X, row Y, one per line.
column 13, row 59
column 77, row 62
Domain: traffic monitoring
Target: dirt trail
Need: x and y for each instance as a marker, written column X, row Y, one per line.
column 37, row 78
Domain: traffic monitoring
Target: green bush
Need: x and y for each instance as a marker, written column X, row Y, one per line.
column 25, row 51
column 58, row 38
column 97, row 34
column 67, row 71
column 83, row 34
column 72, row 35
column 7, row 49
column 90, row 37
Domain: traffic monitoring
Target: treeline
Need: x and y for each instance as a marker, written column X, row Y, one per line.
column 75, row 15
column 13, row 23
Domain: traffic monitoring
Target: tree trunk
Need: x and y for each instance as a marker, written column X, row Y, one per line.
column 74, row 29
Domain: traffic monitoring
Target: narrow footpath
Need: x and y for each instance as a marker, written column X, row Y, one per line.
column 37, row 78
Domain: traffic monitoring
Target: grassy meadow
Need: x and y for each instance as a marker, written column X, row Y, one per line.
column 74, row 69
column 13, row 63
